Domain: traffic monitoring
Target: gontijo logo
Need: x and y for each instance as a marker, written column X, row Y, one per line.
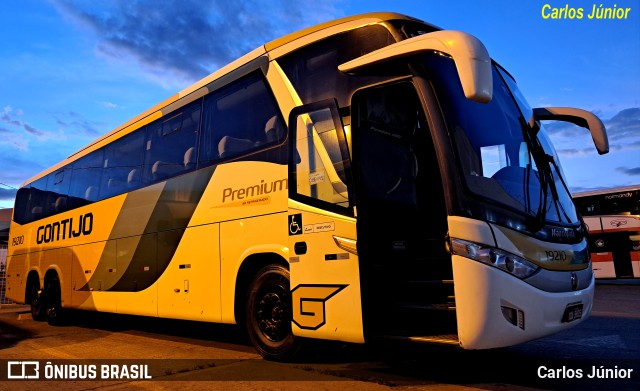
column 309, row 300
column 65, row 229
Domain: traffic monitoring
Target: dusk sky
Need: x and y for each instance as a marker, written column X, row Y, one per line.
column 71, row 71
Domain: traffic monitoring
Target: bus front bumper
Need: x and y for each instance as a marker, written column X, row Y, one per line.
column 495, row 309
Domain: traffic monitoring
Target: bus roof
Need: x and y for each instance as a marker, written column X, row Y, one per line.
column 381, row 16
column 155, row 112
column 606, row 191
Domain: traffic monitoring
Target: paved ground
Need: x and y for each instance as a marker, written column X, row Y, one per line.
column 197, row 356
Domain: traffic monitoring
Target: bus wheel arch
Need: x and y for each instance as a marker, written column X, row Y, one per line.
column 263, row 305
column 247, row 271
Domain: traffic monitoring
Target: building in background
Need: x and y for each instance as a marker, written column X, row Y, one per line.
column 613, row 218
column 5, row 219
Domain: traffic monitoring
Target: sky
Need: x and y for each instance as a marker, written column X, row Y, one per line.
column 71, row 71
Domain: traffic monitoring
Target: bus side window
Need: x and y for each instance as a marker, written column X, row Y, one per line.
column 313, row 69
column 21, row 212
column 85, row 179
column 320, row 165
column 171, row 142
column 58, row 189
column 121, row 157
column 30, row 201
column 239, row 119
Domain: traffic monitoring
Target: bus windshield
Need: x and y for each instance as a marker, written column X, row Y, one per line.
column 502, row 159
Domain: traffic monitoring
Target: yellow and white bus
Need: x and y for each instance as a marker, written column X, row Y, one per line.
column 370, row 177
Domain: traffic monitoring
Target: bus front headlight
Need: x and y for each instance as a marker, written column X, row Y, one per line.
column 495, row 257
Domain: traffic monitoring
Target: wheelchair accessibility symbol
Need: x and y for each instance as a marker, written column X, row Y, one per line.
column 295, row 224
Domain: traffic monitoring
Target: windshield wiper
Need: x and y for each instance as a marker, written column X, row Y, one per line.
column 564, row 185
column 544, row 161
column 544, row 175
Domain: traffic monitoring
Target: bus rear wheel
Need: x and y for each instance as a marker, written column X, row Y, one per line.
column 269, row 314
column 53, row 301
column 36, row 299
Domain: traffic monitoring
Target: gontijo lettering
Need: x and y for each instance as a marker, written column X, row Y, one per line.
column 65, row 229
column 231, row 194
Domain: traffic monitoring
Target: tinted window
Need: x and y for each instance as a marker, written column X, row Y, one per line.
column 58, row 188
column 20, row 209
column 86, row 178
column 239, row 119
column 171, row 144
column 122, row 169
column 621, row 203
column 388, row 119
column 627, row 202
column 410, row 28
column 313, row 70
column 32, row 202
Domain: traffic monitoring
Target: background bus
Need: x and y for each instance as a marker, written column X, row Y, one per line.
column 613, row 218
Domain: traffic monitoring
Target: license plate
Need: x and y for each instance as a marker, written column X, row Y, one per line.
column 572, row 312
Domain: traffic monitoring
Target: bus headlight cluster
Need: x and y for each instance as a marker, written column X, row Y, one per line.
column 492, row 256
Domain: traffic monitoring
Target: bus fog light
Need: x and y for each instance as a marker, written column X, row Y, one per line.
column 513, row 316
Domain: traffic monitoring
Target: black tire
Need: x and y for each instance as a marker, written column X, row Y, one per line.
column 54, row 301
column 269, row 313
column 38, row 310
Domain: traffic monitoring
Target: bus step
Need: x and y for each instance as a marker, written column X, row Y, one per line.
column 423, row 291
column 430, row 282
column 428, row 307
column 447, row 339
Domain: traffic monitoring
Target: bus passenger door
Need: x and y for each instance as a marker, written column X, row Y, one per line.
column 324, row 272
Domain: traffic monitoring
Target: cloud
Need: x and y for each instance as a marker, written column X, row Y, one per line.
column 74, row 124
column 108, row 105
column 580, row 189
column 25, row 165
column 7, row 118
column 7, row 194
column 20, row 135
column 623, row 131
column 627, row 145
column 571, row 152
column 190, row 39
column 561, row 128
column 629, row 171
column 625, row 125
column 14, row 141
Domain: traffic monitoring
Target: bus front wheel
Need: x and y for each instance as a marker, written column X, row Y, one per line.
column 269, row 314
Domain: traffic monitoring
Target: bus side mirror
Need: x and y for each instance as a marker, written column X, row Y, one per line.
column 578, row 117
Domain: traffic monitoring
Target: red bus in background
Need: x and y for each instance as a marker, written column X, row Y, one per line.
column 613, row 218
